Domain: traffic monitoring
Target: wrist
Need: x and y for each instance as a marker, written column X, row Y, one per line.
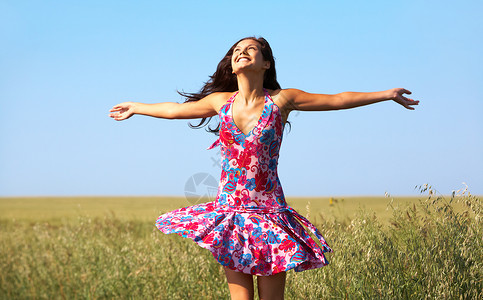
column 136, row 109
column 389, row 94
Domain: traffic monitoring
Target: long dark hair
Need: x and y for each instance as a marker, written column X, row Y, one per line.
column 223, row 80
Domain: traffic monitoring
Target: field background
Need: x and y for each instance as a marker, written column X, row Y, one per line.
column 108, row 248
column 67, row 209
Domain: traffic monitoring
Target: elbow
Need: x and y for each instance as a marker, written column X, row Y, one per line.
column 339, row 101
column 170, row 114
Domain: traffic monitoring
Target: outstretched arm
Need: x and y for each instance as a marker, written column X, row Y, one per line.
column 300, row 100
column 206, row 107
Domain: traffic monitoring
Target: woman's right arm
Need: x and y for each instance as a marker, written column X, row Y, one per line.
column 203, row 108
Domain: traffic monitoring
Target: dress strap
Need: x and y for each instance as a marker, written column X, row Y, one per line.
column 232, row 98
column 312, row 228
column 267, row 94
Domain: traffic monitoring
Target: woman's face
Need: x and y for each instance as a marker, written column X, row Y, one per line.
column 248, row 56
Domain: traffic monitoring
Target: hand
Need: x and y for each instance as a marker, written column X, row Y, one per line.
column 397, row 95
column 122, row 111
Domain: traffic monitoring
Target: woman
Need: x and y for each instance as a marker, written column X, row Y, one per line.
column 249, row 228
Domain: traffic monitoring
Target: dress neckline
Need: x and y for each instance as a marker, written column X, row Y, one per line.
column 260, row 119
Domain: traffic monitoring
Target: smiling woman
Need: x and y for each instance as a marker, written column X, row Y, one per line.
column 249, row 228
column 225, row 80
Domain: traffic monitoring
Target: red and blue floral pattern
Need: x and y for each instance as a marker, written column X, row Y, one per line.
column 249, row 227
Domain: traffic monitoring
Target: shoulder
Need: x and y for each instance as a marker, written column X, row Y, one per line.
column 284, row 98
column 218, row 96
column 218, row 99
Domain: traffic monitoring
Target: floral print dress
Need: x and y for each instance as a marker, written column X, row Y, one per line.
column 249, row 227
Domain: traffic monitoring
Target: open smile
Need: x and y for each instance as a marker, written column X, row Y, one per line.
column 243, row 59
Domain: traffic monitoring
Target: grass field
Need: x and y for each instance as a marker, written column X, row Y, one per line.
column 66, row 209
column 108, row 248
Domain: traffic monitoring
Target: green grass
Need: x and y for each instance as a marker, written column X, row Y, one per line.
column 108, row 248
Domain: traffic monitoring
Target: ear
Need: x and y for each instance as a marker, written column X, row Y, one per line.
column 266, row 65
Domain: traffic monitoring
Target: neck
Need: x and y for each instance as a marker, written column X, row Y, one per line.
column 250, row 87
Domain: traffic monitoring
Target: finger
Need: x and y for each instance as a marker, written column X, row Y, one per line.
column 116, row 108
column 402, row 100
column 121, row 105
column 404, row 91
column 405, row 104
column 117, row 115
column 409, row 105
column 412, row 101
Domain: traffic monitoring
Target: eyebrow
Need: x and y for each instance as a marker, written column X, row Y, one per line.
column 254, row 44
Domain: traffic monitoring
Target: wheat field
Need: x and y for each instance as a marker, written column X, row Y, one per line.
column 427, row 247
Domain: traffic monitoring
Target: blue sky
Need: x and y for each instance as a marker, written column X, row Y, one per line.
column 66, row 63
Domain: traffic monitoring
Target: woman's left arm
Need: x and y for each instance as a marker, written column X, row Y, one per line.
column 300, row 100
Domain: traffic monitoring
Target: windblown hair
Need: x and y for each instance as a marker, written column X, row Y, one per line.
column 223, row 80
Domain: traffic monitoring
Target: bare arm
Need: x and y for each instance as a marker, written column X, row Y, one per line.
column 203, row 108
column 300, row 100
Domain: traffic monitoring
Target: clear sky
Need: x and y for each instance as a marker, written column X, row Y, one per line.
column 64, row 64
